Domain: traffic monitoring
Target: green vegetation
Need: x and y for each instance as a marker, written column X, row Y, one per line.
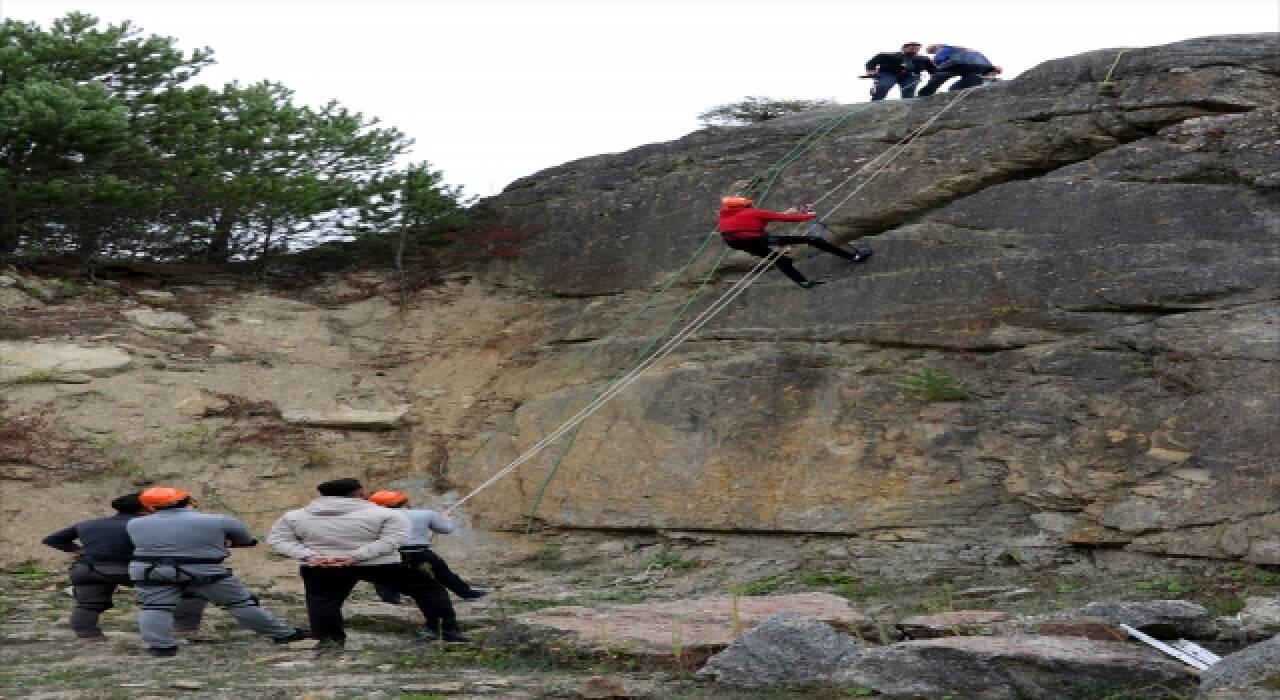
column 29, row 572
column 668, row 560
column 765, row 585
column 752, row 110
column 931, row 384
column 37, row 377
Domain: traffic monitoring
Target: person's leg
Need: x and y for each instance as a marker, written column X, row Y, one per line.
column 446, row 577
column 882, row 85
column 761, row 249
column 820, row 244
column 155, row 620
column 971, row 76
column 935, row 81
column 232, row 595
column 189, row 612
column 386, row 595
column 93, row 594
column 907, row 84
column 432, row 599
column 326, row 590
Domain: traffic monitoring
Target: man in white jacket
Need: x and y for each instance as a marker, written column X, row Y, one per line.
column 342, row 539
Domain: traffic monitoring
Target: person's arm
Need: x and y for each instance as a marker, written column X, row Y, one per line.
column 238, row 534
column 943, row 54
column 439, row 522
column 64, row 540
column 394, row 533
column 766, row 215
column 284, row 539
column 874, row 63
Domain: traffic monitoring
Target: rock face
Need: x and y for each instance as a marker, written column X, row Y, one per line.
column 697, row 627
column 1164, row 619
column 788, row 647
column 1096, row 271
column 1245, row 670
column 49, row 361
column 990, row 668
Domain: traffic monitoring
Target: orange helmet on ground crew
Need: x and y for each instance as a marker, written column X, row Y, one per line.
column 388, row 499
column 161, row 496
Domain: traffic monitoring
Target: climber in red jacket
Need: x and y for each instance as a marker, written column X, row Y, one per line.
column 743, row 229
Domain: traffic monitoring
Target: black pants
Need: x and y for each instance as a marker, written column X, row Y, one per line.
column 94, row 584
column 759, row 247
column 970, row 76
column 440, row 571
column 327, row 589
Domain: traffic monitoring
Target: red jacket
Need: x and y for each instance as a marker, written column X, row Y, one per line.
column 748, row 224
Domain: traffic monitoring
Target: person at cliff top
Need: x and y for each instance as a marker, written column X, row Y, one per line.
column 956, row 61
column 342, row 539
column 180, row 549
column 416, row 552
column 902, row 68
column 103, row 550
column 743, row 228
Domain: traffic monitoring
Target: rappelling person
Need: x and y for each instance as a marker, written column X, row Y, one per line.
column 103, row 550
column 743, row 229
column 970, row 65
column 341, row 539
column 417, row 552
column 901, row 68
column 179, row 549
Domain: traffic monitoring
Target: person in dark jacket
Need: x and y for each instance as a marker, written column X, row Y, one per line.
column 743, row 228
column 416, row 552
column 902, row 68
column 180, row 549
column 103, row 549
column 956, row 61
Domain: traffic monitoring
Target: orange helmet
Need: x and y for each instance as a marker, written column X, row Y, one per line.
column 388, row 499
column 734, row 202
column 160, row 496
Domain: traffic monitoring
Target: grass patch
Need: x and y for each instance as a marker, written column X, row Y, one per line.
column 765, row 585
column 932, row 385
column 668, row 560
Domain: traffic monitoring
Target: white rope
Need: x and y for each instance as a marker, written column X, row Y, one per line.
column 693, row 326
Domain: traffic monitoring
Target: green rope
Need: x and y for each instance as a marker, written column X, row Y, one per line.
column 769, row 179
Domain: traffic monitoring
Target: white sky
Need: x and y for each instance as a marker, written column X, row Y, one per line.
column 492, row 90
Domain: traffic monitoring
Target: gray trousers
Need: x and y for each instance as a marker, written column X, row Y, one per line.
column 93, row 585
column 160, row 589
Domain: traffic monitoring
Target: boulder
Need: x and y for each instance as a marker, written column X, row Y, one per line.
column 159, row 320
column 1021, row 668
column 14, row 299
column 24, row 361
column 1163, row 619
column 202, row 404
column 787, row 647
column 1252, row 668
column 1261, row 617
column 953, row 623
column 650, row 631
column 347, row 418
column 1087, row 627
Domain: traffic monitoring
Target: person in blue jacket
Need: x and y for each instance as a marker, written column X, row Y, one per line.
column 956, row 61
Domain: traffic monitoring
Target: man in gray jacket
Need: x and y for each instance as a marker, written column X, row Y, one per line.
column 179, row 549
column 342, row 539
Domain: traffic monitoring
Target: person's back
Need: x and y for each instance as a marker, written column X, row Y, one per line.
column 339, row 526
column 186, row 535
column 101, row 539
column 424, row 522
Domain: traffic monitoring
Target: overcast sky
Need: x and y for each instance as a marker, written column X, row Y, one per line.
column 492, row 90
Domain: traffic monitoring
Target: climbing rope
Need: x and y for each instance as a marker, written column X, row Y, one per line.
column 707, row 314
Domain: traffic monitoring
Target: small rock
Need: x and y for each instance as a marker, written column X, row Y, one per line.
column 156, row 296
column 7, row 281
column 954, row 623
column 1261, row 617
column 1087, row 627
column 602, row 688
column 159, row 320
column 786, row 647
column 202, row 404
column 186, row 685
column 348, row 418
column 1164, row 619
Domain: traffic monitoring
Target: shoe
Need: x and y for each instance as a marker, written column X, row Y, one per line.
column 473, row 594
column 451, row 636
column 162, row 652
column 299, row 634
column 810, row 284
column 861, row 254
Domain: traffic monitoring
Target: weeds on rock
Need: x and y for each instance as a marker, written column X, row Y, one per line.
column 932, row 385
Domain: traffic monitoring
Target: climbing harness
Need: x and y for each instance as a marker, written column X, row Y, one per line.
column 711, row 311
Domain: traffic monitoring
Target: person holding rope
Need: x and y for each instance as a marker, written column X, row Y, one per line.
column 743, row 228
column 902, row 68
column 970, row 65
column 103, row 550
column 417, row 551
column 179, row 549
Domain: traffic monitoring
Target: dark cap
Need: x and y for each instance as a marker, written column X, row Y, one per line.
column 339, row 487
column 129, row 503
column 912, row 43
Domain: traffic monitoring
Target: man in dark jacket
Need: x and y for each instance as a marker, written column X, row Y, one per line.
column 103, row 549
column 902, row 68
column 956, row 61
column 742, row 228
